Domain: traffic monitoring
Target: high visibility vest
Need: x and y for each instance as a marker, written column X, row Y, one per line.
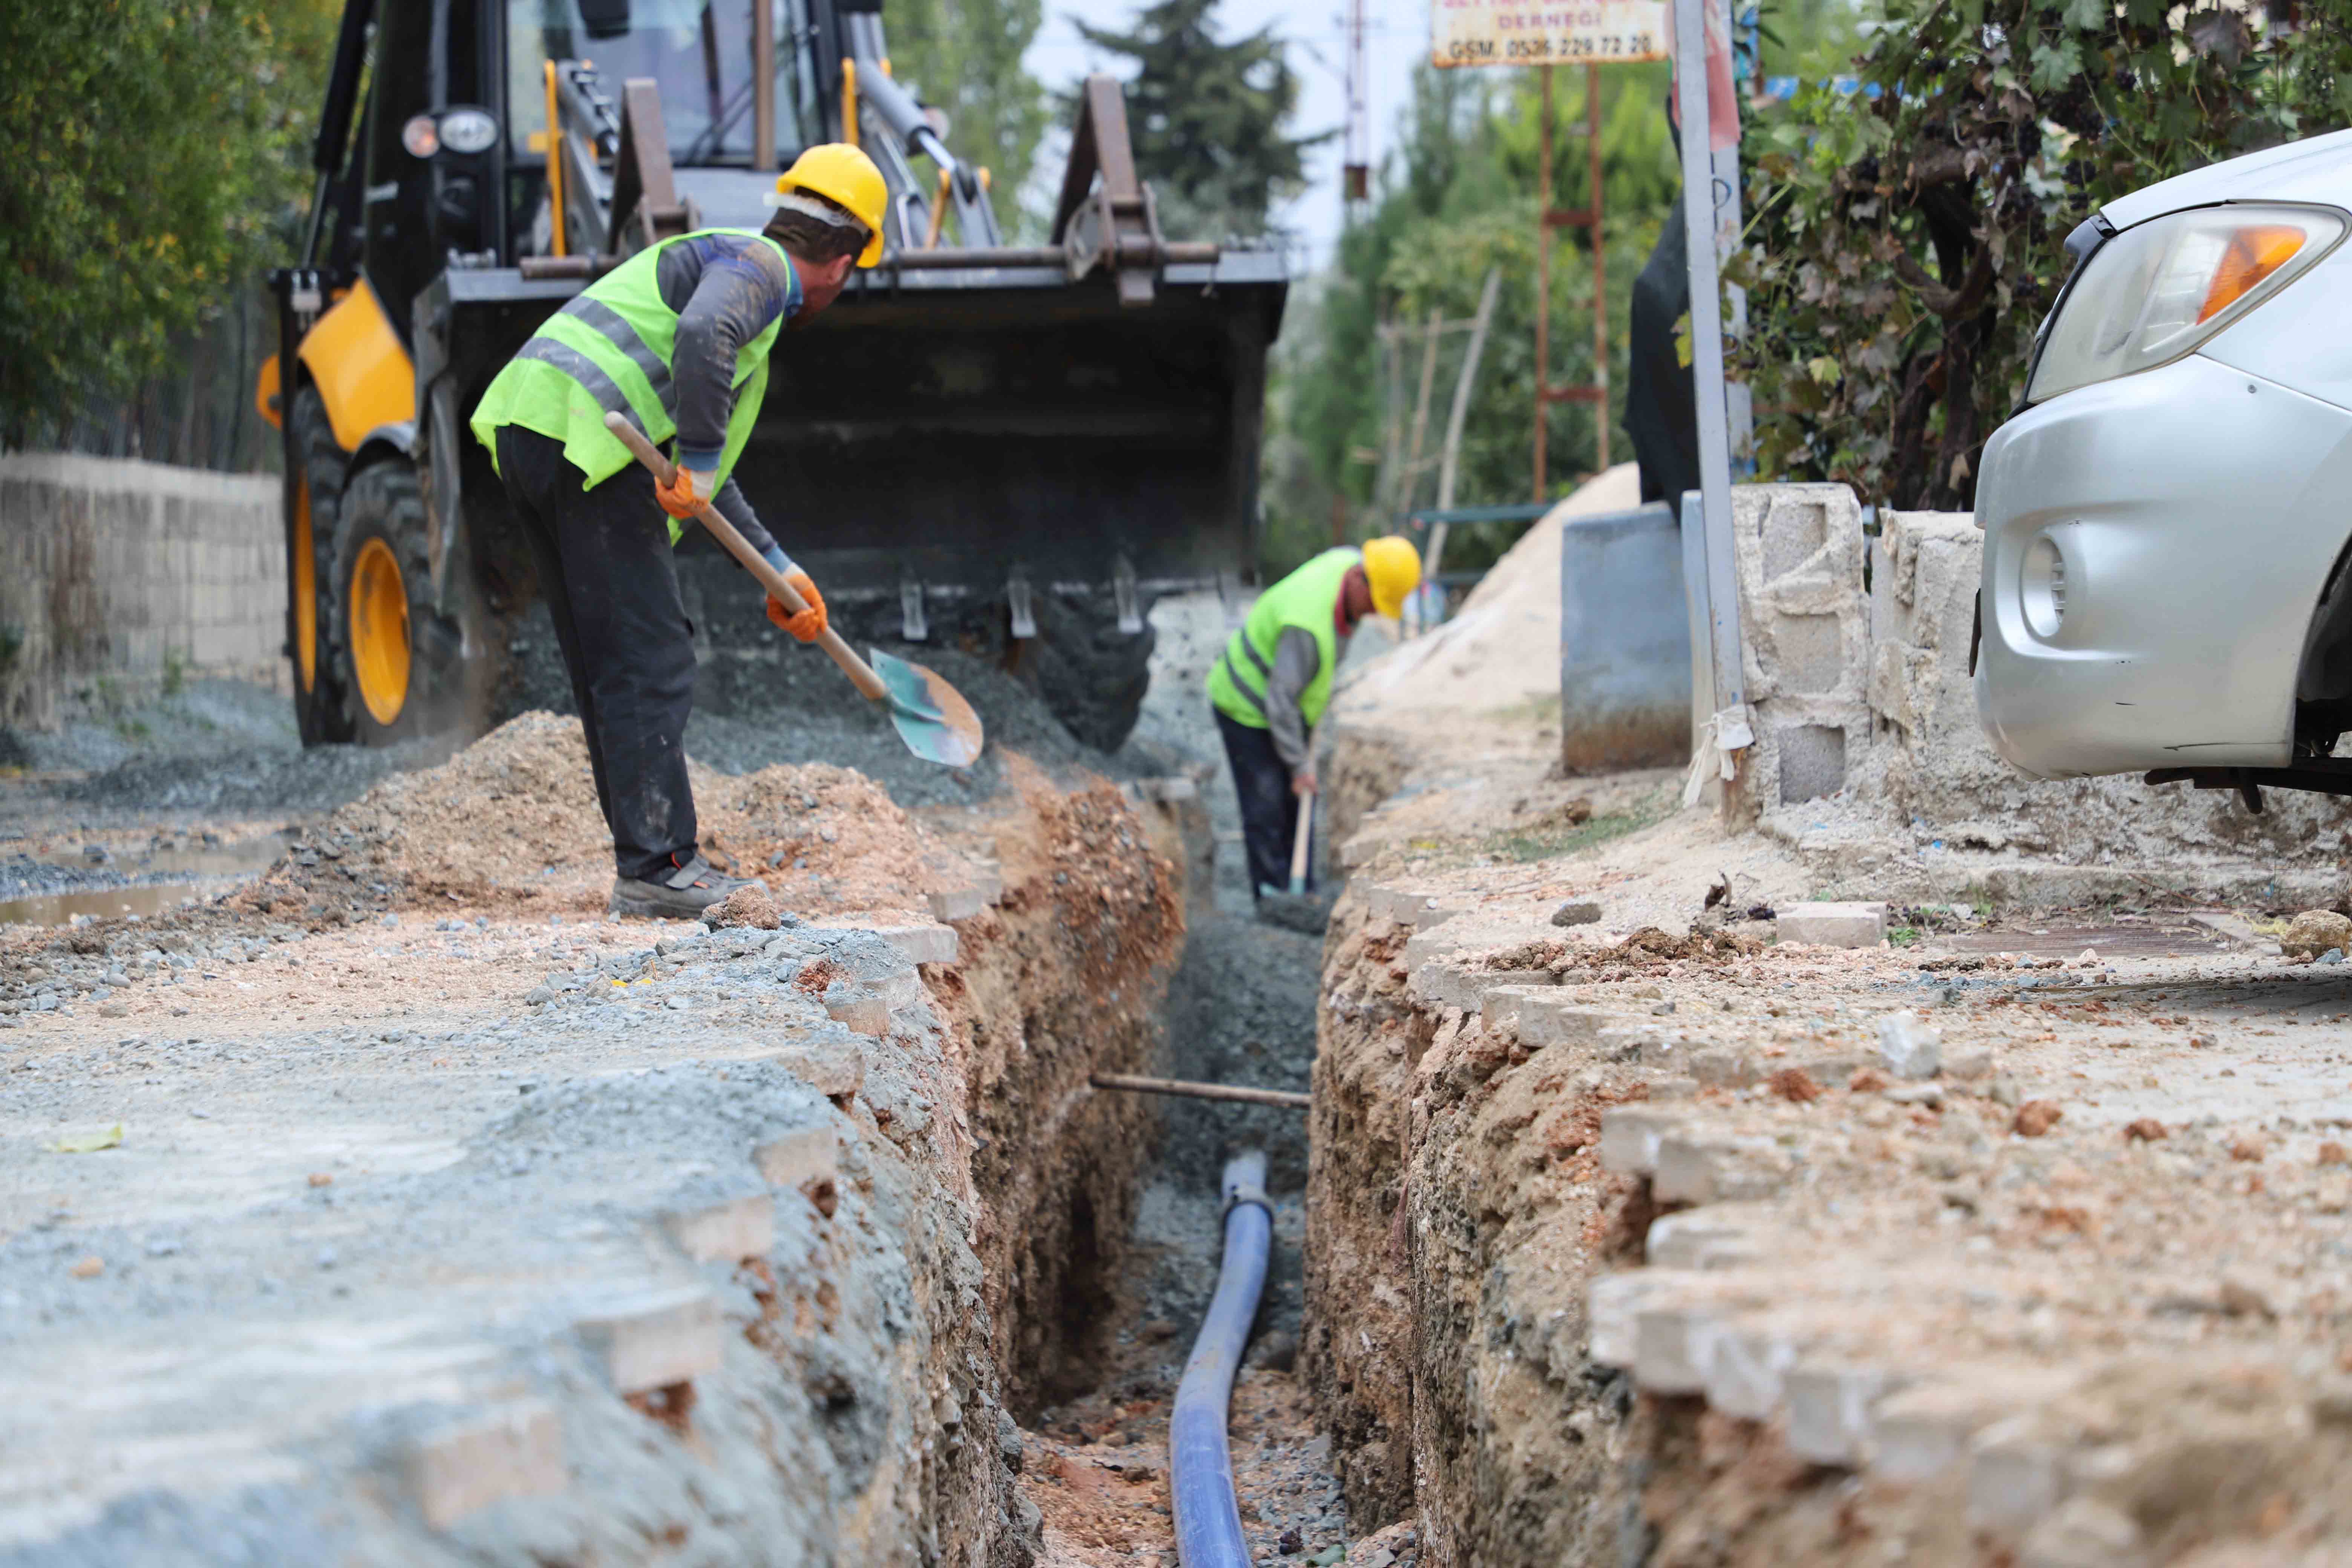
column 1307, row 599
column 608, row 350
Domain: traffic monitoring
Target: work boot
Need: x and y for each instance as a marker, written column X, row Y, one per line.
column 681, row 895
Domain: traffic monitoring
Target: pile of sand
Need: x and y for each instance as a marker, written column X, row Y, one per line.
column 513, row 819
column 1500, row 655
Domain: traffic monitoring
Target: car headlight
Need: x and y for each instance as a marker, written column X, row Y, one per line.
column 2156, row 291
column 468, row 131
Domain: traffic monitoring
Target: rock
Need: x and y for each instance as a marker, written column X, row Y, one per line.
column 1277, row 1352
column 2331, row 1153
column 540, row 995
column 1970, row 1063
column 2314, row 932
column 1909, row 1048
column 2248, row 1147
column 1832, row 925
column 2146, row 1130
column 1576, row 914
column 2242, row 1297
column 752, row 907
column 2036, row 1117
column 2002, row 1090
column 89, row 1267
column 2083, row 1533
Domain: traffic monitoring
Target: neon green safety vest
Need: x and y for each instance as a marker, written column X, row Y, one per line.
column 608, row 350
column 1308, row 599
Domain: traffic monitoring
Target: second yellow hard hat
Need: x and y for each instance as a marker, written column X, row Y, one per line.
column 846, row 177
column 1393, row 571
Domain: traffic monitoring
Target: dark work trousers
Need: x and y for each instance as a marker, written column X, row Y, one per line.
column 605, row 569
column 1269, row 811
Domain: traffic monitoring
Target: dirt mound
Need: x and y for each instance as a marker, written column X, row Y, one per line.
column 1501, row 651
column 513, row 819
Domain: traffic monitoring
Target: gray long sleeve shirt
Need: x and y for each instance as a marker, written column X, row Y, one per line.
column 1297, row 661
column 726, row 288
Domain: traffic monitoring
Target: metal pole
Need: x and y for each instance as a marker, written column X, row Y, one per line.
column 1706, row 350
column 1599, row 263
column 1543, row 281
column 1288, row 1099
column 1449, row 467
column 764, row 86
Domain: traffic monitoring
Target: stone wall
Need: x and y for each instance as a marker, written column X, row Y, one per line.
column 120, row 577
column 1804, row 636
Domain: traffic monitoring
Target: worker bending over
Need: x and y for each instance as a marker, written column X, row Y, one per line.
column 1271, row 684
column 677, row 338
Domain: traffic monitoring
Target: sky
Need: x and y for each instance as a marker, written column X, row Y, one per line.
column 1396, row 35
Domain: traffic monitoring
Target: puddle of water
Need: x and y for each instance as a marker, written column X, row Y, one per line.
column 2135, row 940
column 241, row 859
column 58, row 909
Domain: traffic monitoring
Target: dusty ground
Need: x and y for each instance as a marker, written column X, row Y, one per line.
column 307, row 1069
column 2133, row 1159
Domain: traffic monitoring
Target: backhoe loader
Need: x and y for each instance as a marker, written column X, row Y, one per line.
column 1012, row 448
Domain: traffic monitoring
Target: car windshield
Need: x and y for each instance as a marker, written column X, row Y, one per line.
column 699, row 53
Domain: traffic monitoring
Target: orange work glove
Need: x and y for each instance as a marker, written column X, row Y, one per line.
column 809, row 625
column 687, row 493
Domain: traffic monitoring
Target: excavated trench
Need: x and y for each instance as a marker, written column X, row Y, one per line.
column 976, row 1277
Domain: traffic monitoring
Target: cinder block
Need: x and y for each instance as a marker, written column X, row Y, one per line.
column 1725, row 1067
column 1441, row 985
column 1554, row 1020
column 1830, row 1408
column 923, row 944
column 654, row 1341
column 1630, row 1136
column 511, row 1451
column 725, row 1232
column 1832, row 925
column 833, row 1067
column 1925, row 1432
column 803, row 1155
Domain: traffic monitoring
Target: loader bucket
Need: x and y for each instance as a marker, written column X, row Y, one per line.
column 1011, row 419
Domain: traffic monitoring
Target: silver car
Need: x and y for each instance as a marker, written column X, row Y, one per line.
column 2167, row 522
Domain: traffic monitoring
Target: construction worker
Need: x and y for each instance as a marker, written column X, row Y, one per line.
column 677, row 338
column 1270, row 685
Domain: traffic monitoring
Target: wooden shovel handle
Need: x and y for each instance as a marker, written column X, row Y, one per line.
column 861, row 674
column 1305, row 829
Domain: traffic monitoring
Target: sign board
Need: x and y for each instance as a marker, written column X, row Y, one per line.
column 1534, row 33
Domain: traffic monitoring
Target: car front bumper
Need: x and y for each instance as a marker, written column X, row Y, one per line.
column 2197, row 509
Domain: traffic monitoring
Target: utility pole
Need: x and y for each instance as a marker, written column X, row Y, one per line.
column 1356, row 167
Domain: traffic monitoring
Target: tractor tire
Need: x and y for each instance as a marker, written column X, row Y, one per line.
column 1092, row 675
column 397, row 680
column 320, row 716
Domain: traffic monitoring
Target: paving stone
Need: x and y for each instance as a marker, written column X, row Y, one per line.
column 1708, row 1237
column 1702, row 1168
column 1673, row 1344
column 1925, row 1432
column 513, row 1450
column 1614, row 1303
column 1829, row 1405
column 857, row 1008
column 656, row 1340
column 962, row 903
column 725, row 1232
column 833, row 1063
column 1748, row 1370
column 798, row 1158
column 926, row 943
column 1832, row 925
column 1629, row 1138
column 2015, row 1481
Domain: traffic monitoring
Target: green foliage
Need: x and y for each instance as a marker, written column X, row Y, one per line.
column 1208, row 119
column 1458, row 197
column 964, row 56
column 154, row 146
column 1903, row 250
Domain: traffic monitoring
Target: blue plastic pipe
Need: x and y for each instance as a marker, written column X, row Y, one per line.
column 1200, row 1470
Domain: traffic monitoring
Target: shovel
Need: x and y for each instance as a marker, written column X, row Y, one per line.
column 1297, row 910
column 931, row 716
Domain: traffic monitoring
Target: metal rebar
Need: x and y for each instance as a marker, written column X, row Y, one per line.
column 1131, row 1081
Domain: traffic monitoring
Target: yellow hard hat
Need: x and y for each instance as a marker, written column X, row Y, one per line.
column 846, row 177
column 1393, row 571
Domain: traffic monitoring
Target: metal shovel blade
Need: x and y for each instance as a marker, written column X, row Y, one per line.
column 932, row 717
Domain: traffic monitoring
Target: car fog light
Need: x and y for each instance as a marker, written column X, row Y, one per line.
column 2044, row 588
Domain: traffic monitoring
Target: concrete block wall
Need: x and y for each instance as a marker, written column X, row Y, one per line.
column 1805, row 637
column 1624, row 642
column 116, row 573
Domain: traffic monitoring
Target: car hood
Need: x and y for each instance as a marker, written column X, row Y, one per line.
column 2317, row 170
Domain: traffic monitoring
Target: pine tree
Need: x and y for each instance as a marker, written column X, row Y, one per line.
column 1207, row 118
